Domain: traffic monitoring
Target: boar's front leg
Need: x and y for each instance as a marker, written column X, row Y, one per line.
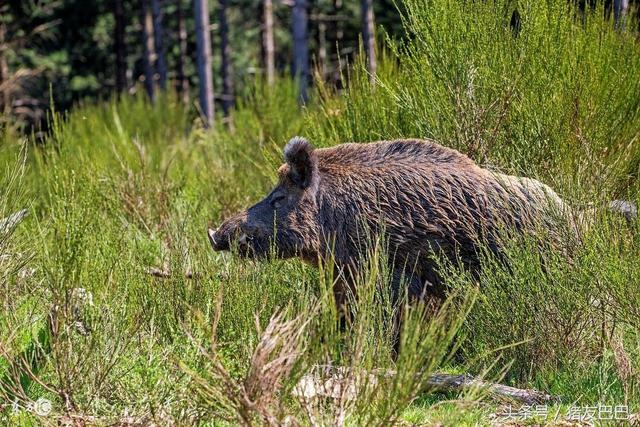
column 410, row 289
column 403, row 289
column 343, row 291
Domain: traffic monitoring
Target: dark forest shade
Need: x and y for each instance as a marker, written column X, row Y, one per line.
column 120, row 46
column 300, row 65
column 203, row 41
column 182, row 82
column 322, row 48
column 91, row 49
column 5, row 95
column 336, row 40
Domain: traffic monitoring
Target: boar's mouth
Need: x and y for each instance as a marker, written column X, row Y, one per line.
column 218, row 242
column 246, row 245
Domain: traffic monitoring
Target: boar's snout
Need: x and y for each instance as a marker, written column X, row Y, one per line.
column 235, row 232
column 218, row 242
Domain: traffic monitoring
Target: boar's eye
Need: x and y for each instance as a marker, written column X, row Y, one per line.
column 277, row 200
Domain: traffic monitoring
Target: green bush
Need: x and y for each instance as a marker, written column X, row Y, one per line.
column 124, row 189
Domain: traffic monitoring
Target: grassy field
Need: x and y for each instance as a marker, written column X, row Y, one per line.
column 121, row 188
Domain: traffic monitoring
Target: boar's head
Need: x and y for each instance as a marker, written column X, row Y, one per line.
column 285, row 222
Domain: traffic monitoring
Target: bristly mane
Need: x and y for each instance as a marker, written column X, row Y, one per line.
column 388, row 153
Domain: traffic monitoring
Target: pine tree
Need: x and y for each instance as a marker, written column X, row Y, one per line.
column 158, row 36
column 203, row 41
column 149, row 51
column 182, row 82
column 300, row 66
column 268, row 48
column 225, row 59
column 368, row 36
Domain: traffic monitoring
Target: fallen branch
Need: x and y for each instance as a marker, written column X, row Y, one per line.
column 448, row 382
column 164, row 273
column 337, row 382
column 9, row 223
column 158, row 272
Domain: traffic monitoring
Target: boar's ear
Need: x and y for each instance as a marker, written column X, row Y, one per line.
column 301, row 160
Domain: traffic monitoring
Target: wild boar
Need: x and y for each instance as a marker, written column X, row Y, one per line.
column 420, row 197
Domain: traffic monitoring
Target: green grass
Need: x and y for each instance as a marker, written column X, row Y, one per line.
column 123, row 186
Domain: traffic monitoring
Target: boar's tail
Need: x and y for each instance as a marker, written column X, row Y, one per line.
column 628, row 209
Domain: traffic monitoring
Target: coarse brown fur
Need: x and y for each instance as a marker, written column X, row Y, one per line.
column 423, row 198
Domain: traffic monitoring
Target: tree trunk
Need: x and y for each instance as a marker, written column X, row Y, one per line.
column 268, row 49
column 161, row 62
column 203, row 41
column 368, row 36
column 182, row 83
column 338, row 32
column 149, row 54
column 225, row 60
column 300, row 66
column 5, row 90
column 120, row 45
column 619, row 9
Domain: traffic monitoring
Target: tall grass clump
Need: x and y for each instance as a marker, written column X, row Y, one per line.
column 555, row 98
column 116, row 310
column 302, row 368
column 117, row 191
column 22, row 339
column 567, row 323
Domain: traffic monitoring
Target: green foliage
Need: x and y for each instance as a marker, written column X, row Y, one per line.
column 121, row 187
column 558, row 101
column 560, row 321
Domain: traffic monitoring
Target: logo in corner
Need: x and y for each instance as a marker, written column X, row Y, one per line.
column 42, row 407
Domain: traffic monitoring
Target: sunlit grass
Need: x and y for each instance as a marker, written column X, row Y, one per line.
column 123, row 186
